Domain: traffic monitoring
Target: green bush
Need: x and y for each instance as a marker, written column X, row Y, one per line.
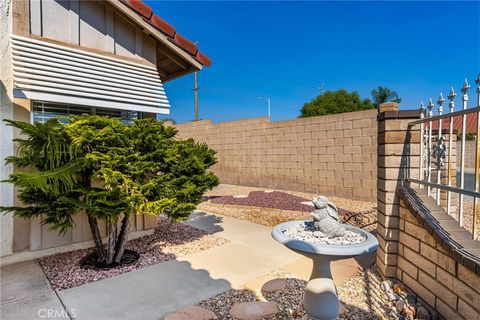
column 109, row 169
column 332, row 102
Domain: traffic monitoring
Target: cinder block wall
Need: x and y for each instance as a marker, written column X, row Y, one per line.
column 408, row 251
column 470, row 152
column 334, row 154
column 426, row 268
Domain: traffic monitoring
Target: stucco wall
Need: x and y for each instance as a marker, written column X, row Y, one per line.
column 334, row 154
column 6, row 133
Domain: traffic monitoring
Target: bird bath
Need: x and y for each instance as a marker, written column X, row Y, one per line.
column 321, row 300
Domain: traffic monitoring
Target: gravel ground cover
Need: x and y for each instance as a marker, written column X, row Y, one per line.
column 275, row 199
column 167, row 242
column 264, row 216
column 271, row 207
column 347, row 204
column 361, row 296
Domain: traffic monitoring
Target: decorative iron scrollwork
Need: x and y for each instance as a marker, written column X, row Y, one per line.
column 440, row 152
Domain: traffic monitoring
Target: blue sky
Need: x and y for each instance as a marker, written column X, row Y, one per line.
column 285, row 50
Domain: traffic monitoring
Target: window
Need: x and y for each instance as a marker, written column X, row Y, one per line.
column 42, row 111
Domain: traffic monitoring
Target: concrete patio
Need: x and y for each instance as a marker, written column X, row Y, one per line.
column 155, row 291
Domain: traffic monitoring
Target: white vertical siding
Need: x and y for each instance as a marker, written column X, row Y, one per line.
column 54, row 73
column 90, row 24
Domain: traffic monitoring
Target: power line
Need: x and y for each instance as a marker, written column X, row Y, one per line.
column 279, row 78
column 237, row 97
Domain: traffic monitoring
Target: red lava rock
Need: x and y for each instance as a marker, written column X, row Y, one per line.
column 168, row 241
column 275, row 200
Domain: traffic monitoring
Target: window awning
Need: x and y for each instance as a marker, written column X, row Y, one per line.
column 55, row 73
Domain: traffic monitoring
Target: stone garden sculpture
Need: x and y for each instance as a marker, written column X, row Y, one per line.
column 323, row 240
column 326, row 219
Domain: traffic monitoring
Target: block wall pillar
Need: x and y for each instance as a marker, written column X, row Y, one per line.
column 397, row 158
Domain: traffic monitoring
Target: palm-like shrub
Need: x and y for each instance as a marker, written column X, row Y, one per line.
column 383, row 94
column 110, row 170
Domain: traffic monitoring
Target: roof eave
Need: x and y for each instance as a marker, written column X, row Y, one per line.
column 149, row 29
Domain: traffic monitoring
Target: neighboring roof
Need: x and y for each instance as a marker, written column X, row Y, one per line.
column 146, row 12
column 471, row 123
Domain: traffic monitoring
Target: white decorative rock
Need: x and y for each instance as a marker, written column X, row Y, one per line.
column 253, row 310
column 192, row 313
column 386, row 285
column 241, row 196
column 274, row 285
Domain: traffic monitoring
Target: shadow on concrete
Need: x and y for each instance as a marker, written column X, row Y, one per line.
column 205, row 221
column 150, row 293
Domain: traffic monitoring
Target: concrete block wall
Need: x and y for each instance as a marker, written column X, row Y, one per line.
column 409, row 250
column 470, row 152
column 398, row 157
column 426, row 268
column 333, row 154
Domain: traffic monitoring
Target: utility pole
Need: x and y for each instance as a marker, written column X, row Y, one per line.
column 268, row 104
column 321, row 87
column 195, row 90
column 268, row 107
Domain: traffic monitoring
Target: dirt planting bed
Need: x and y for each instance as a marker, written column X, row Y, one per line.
column 167, row 242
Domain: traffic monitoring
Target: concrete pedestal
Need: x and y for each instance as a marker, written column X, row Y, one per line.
column 321, row 300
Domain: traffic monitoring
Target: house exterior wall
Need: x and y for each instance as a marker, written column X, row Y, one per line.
column 90, row 24
column 334, row 154
column 87, row 25
column 6, row 133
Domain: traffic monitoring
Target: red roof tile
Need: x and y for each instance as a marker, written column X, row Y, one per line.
column 147, row 13
column 162, row 25
column 203, row 59
column 139, row 7
column 185, row 44
column 471, row 123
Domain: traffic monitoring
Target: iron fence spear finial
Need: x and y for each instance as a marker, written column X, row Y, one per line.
column 430, row 107
column 440, row 102
column 422, row 110
column 451, row 97
column 465, row 88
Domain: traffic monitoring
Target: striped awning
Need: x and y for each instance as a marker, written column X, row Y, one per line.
column 54, row 73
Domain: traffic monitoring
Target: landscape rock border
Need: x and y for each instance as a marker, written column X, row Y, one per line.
column 168, row 241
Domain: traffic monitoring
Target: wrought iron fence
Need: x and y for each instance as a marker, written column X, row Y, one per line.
column 442, row 169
